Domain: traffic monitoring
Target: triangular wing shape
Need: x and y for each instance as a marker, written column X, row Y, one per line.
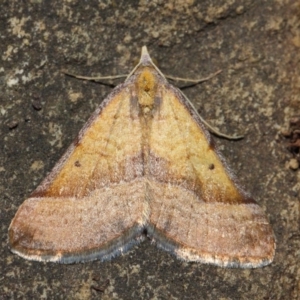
column 143, row 163
column 91, row 205
column 198, row 212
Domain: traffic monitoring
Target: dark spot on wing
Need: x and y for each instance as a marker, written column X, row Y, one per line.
column 211, row 166
column 77, row 163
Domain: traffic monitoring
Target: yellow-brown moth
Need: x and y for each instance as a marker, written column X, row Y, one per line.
column 143, row 164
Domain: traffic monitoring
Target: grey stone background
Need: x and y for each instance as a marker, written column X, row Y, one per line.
column 255, row 43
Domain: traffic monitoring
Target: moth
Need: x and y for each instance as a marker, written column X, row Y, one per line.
column 143, row 165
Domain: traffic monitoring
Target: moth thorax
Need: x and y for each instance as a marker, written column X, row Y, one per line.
column 146, row 89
